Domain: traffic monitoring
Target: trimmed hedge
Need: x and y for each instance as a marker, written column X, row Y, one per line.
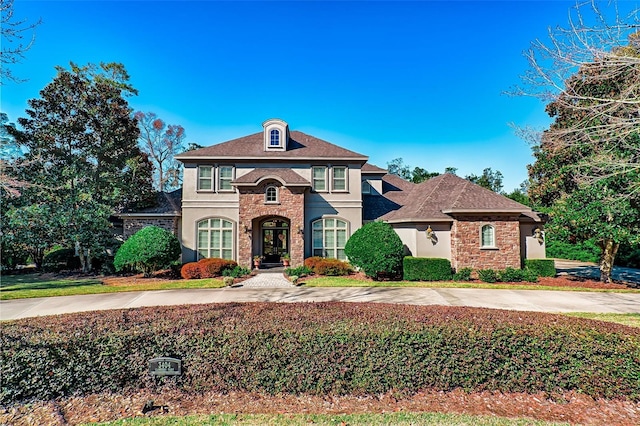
column 542, row 267
column 148, row 250
column 320, row 349
column 210, row 267
column 376, row 249
column 327, row 266
column 426, row 269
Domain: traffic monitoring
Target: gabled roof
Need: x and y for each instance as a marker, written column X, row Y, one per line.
column 286, row 176
column 167, row 204
column 300, row 147
column 445, row 195
column 369, row 168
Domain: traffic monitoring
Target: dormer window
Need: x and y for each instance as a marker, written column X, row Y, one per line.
column 275, row 138
column 276, row 135
column 271, row 195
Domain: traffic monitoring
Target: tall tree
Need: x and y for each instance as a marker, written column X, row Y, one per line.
column 14, row 47
column 587, row 164
column 488, row 179
column 398, row 168
column 162, row 142
column 420, row 175
column 83, row 135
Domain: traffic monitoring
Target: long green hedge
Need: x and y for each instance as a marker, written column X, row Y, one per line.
column 426, row 269
column 318, row 348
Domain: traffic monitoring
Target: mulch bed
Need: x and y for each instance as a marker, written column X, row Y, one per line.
column 568, row 407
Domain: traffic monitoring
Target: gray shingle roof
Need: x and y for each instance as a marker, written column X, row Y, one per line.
column 437, row 198
column 300, row 146
column 167, row 204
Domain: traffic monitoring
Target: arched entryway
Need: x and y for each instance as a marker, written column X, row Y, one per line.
column 275, row 238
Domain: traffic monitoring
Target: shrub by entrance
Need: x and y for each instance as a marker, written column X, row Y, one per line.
column 376, row 249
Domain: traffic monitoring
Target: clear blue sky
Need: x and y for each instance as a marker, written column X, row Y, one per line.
column 420, row 80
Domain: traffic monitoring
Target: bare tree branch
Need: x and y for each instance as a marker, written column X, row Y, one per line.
column 18, row 37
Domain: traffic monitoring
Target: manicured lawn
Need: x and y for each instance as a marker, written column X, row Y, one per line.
column 36, row 285
column 354, row 282
column 632, row 320
column 401, row 419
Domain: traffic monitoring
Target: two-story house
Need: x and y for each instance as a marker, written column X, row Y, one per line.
column 280, row 191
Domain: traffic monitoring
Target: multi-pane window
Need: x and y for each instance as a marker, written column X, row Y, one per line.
column 488, row 236
column 329, row 238
column 275, row 138
column 339, row 178
column 205, row 178
column 215, row 238
column 225, row 177
column 319, row 178
column 271, row 194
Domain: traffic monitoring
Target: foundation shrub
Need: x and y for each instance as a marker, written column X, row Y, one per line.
column 463, row 274
column 511, row 275
column 63, row 258
column 331, row 267
column 488, row 275
column 148, row 250
column 319, row 349
column 214, row 267
column 298, row 271
column 311, row 262
column 190, row 271
column 542, row 267
column 426, row 269
column 237, row 272
column 376, row 249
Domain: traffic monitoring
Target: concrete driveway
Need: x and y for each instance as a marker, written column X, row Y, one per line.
column 524, row 300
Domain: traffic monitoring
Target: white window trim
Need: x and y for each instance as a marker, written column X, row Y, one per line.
column 219, row 180
column 336, row 247
column 266, row 191
column 212, row 179
column 233, row 236
column 493, row 232
column 346, row 179
column 313, row 181
column 279, row 133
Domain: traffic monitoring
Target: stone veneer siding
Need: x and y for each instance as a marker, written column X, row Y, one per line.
column 252, row 207
column 465, row 243
column 132, row 225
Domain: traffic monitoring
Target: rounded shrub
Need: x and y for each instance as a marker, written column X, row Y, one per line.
column 376, row 249
column 63, row 258
column 212, row 267
column 190, row 271
column 148, row 250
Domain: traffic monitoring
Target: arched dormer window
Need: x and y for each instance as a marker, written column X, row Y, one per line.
column 271, row 195
column 488, row 236
column 274, row 138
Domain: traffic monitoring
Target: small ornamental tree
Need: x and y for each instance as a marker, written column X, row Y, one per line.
column 376, row 249
column 148, row 250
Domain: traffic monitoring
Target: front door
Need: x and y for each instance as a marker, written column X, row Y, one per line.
column 275, row 239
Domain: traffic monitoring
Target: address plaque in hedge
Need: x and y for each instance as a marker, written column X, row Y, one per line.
column 165, row 366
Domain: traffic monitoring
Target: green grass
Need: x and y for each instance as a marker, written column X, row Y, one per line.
column 401, row 419
column 354, row 282
column 36, row 285
column 632, row 320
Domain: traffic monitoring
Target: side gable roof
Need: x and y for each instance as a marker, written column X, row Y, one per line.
column 300, row 147
column 167, row 204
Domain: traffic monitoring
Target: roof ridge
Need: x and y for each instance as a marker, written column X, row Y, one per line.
column 427, row 197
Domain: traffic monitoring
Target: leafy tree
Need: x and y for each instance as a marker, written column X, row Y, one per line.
column 13, row 48
column 161, row 142
column 148, row 250
column 398, row 168
column 489, row 179
column 420, row 175
column 376, row 249
column 587, row 164
column 452, row 170
column 82, row 158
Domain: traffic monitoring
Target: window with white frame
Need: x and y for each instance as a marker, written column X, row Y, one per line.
column 215, row 238
column 225, row 176
column 329, row 238
column 319, row 178
column 205, row 178
column 339, row 182
column 488, row 236
column 271, row 195
column 274, row 138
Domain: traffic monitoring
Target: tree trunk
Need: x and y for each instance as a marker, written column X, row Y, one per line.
column 609, row 250
column 85, row 258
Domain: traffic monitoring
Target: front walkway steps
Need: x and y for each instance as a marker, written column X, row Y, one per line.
column 266, row 278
